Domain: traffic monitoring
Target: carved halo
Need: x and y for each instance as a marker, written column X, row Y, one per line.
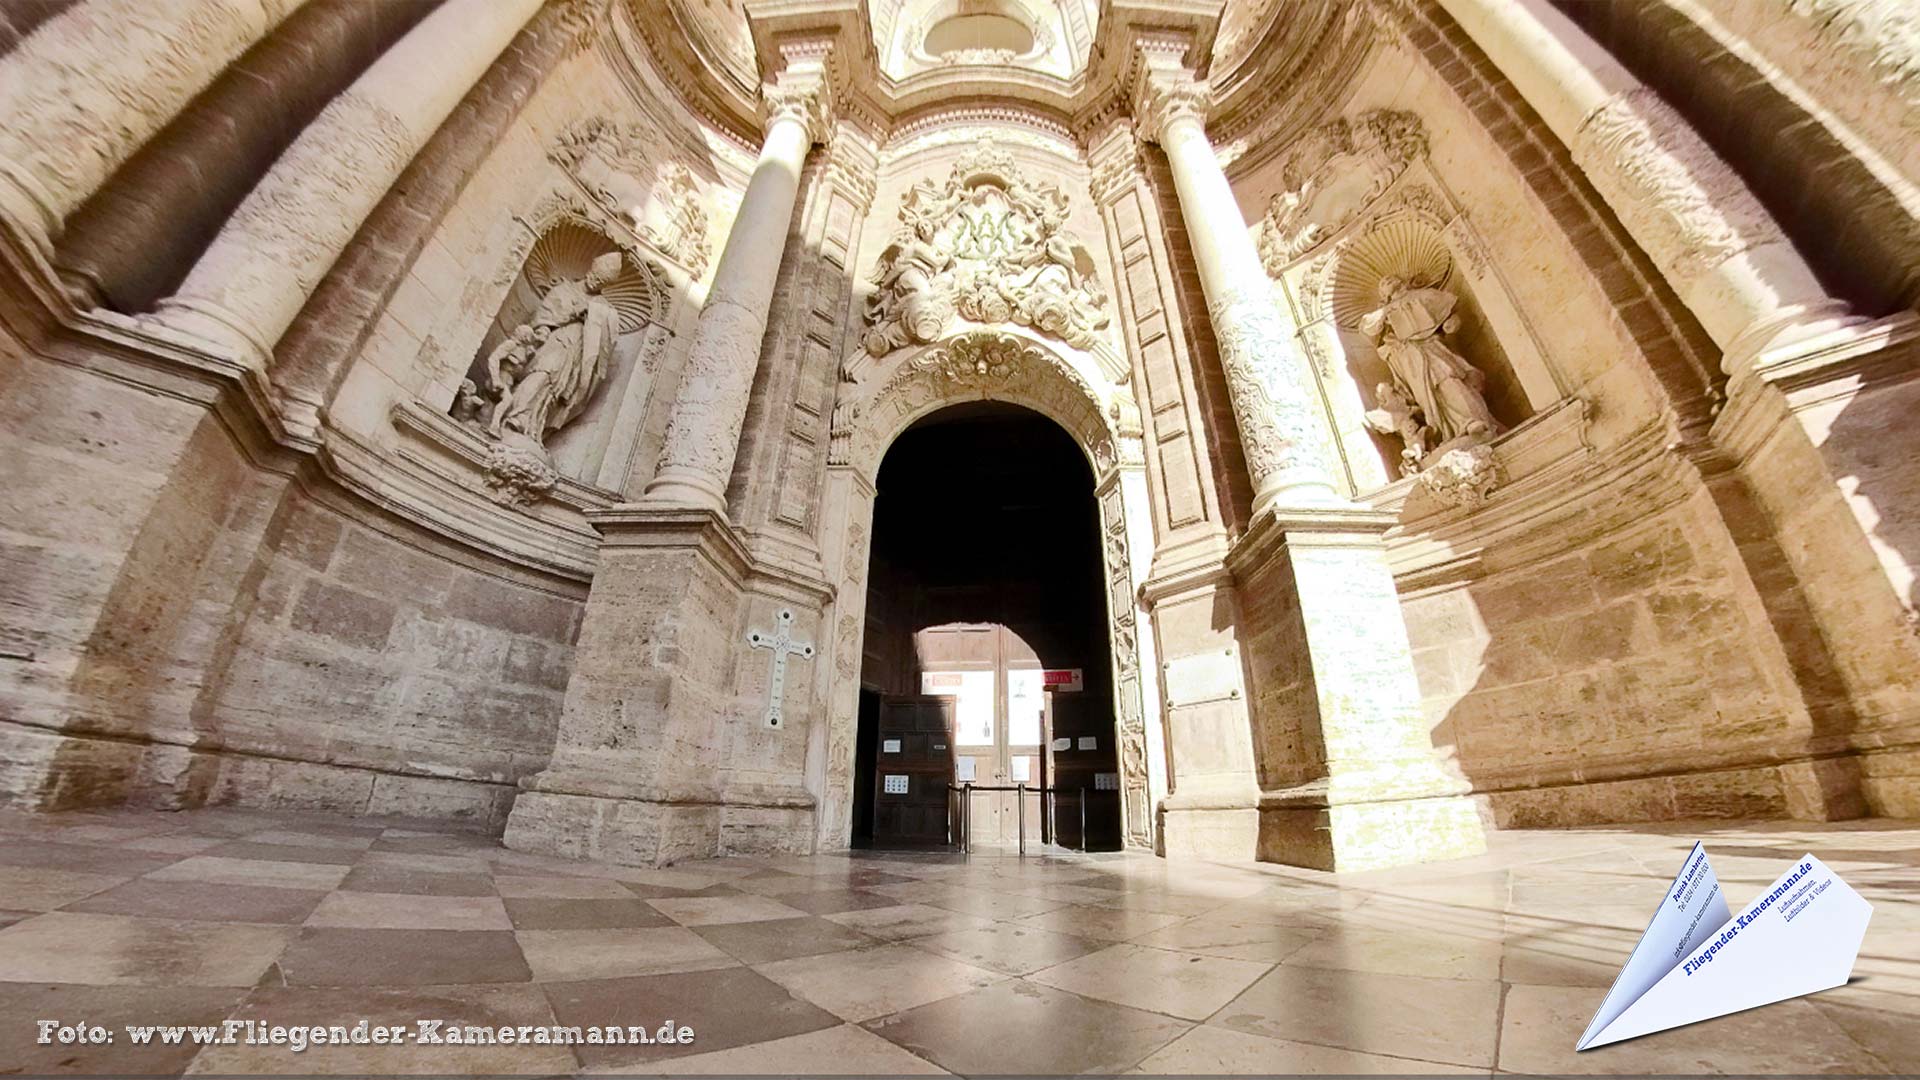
column 1402, row 245
column 568, row 249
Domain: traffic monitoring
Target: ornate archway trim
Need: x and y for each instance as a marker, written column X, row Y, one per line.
column 978, row 366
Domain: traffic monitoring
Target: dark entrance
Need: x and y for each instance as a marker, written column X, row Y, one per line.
column 984, row 594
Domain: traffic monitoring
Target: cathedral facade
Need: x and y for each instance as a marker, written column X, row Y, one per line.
column 1344, row 427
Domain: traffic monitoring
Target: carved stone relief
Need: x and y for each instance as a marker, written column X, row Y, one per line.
column 1334, row 173
column 987, row 246
column 659, row 201
column 1129, row 720
column 1682, row 202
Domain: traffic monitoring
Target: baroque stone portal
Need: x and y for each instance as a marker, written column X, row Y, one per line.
column 988, row 246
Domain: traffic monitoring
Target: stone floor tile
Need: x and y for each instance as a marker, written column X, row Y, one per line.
column 274, row 875
column 1411, row 952
column 1891, row 1036
column 202, row 901
column 834, row 901
column 402, row 911
column 535, row 913
column 1445, row 1020
column 1007, row 948
column 437, row 843
column 1211, row 936
column 424, row 864
column 121, row 950
column 682, row 881
column 111, row 1007
column 286, row 853
column 727, row 1007
column 556, row 955
column 40, row 888
column 358, row 840
column 903, row 921
column 1563, row 951
column 8, row 918
column 456, row 1006
column 1017, row 1027
column 1185, row 985
column 557, row 888
column 386, row 879
column 766, row 940
column 80, row 858
column 994, row 905
column 1107, row 924
column 1168, row 903
column 847, row 1050
column 169, row 844
column 338, row 956
column 708, row 910
column 1786, row 1037
column 1215, row 1051
column 864, row 983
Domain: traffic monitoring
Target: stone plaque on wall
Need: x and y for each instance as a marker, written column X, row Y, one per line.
column 1211, row 676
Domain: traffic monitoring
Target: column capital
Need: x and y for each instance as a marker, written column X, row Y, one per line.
column 1164, row 96
column 802, row 92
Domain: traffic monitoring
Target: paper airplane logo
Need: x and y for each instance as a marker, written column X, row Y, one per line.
column 1699, row 960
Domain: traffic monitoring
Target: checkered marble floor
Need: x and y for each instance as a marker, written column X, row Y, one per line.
column 895, row 964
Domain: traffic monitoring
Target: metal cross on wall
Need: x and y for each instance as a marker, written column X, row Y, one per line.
column 783, row 645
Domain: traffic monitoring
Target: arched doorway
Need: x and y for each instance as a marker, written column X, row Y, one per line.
column 986, row 655
column 879, row 402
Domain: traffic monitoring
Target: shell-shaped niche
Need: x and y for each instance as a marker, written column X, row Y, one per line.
column 567, row 250
column 1402, row 246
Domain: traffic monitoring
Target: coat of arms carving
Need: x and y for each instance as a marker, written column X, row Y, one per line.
column 989, row 246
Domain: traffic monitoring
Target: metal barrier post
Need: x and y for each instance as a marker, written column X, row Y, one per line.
column 966, row 818
column 1083, row 819
column 1020, row 793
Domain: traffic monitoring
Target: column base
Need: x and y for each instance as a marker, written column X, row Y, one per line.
column 1218, row 833
column 655, row 832
column 1371, row 835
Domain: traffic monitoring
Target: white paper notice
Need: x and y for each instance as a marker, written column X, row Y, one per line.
column 1699, row 960
column 963, row 769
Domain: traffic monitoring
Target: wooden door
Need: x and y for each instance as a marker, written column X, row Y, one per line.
column 912, row 770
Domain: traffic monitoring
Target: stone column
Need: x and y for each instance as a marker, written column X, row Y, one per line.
column 89, row 86
column 704, row 434
column 1298, row 737
column 1693, row 215
column 252, row 281
column 1283, row 427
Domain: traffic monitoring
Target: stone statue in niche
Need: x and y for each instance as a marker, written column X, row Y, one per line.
column 1406, row 329
column 989, row 246
column 1437, row 401
column 541, row 376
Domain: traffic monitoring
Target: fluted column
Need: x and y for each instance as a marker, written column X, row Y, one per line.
column 251, row 282
column 96, row 81
column 1283, row 427
column 704, row 434
column 1689, row 210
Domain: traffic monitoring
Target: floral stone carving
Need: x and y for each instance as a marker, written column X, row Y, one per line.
column 987, row 246
column 659, row 201
column 1334, row 173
